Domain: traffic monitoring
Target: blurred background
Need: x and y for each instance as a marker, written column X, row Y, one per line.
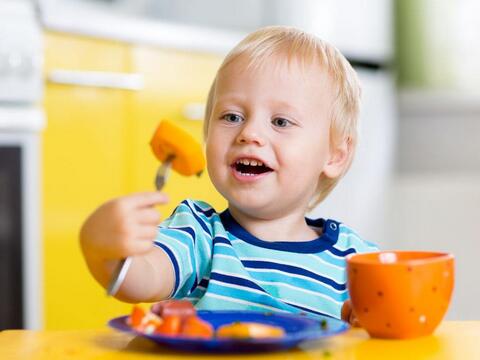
column 83, row 84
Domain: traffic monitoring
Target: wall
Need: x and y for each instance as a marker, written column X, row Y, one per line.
column 436, row 193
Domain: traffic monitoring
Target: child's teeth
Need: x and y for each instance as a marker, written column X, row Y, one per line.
column 250, row 162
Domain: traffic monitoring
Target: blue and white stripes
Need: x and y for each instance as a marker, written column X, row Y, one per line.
column 219, row 265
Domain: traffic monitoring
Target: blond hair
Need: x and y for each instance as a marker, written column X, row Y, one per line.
column 294, row 44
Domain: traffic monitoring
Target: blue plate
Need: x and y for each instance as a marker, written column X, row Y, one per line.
column 297, row 329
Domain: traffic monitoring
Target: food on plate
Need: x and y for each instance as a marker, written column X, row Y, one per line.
column 136, row 316
column 195, row 327
column 145, row 322
column 170, row 326
column 170, row 318
column 245, row 330
column 182, row 308
column 178, row 318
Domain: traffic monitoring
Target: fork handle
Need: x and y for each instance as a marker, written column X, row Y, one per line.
column 162, row 172
column 118, row 276
column 121, row 270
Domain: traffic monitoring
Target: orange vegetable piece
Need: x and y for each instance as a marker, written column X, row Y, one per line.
column 136, row 316
column 244, row 330
column 150, row 323
column 195, row 327
column 171, row 140
column 170, row 326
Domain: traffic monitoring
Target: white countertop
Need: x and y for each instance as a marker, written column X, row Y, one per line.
column 95, row 21
column 418, row 102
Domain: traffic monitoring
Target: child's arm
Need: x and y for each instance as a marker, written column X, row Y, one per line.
column 123, row 227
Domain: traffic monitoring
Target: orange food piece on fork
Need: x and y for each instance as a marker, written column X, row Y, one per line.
column 171, row 140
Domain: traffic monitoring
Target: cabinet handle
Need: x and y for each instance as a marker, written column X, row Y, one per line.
column 194, row 111
column 112, row 80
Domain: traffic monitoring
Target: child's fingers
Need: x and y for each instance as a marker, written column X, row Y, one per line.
column 148, row 216
column 147, row 199
column 348, row 315
column 346, row 311
column 142, row 246
column 141, row 243
column 354, row 321
column 146, row 233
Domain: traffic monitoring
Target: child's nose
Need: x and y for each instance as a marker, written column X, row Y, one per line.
column 251, row 133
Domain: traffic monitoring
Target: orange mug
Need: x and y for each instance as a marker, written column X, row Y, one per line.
column 400, row 294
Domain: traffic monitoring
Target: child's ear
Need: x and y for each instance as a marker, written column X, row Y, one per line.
column 339, row 160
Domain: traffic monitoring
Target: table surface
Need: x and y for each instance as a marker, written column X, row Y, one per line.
column 451, row 340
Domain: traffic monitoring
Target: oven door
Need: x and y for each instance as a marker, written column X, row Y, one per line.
column 11, row 301
column 20, row 249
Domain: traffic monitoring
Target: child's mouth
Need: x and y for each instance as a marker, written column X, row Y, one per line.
column 250, row 167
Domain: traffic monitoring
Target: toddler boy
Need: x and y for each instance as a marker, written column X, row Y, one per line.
column 280, row 131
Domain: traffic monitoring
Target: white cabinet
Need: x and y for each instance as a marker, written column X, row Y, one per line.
column 361, row 29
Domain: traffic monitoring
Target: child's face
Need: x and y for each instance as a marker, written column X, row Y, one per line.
column 277, row 115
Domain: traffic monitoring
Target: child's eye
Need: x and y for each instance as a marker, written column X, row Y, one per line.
column 281, row 122
column 232, row 118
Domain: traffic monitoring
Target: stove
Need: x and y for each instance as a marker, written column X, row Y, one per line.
column 21, row 120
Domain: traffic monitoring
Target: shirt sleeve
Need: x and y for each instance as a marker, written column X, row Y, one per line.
column 349, row 242
column 349, row 239
column 186, row 237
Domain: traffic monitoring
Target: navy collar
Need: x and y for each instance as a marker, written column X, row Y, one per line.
column 330, row 231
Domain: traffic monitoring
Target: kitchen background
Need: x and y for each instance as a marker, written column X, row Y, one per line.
column 84, row 83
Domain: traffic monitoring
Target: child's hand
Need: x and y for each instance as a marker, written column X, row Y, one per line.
column 123, row 227
column 348, row 315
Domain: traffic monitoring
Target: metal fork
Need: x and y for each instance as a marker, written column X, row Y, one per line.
column 121, row 269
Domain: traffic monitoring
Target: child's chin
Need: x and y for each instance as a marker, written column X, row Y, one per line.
column 253, row 205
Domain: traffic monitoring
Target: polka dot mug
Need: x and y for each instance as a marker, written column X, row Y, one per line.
column 400, row 294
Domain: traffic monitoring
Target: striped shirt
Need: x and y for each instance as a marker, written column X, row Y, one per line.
column 220, row 266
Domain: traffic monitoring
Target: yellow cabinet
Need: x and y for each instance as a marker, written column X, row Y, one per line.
column 95, row 147
column 172, row 80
